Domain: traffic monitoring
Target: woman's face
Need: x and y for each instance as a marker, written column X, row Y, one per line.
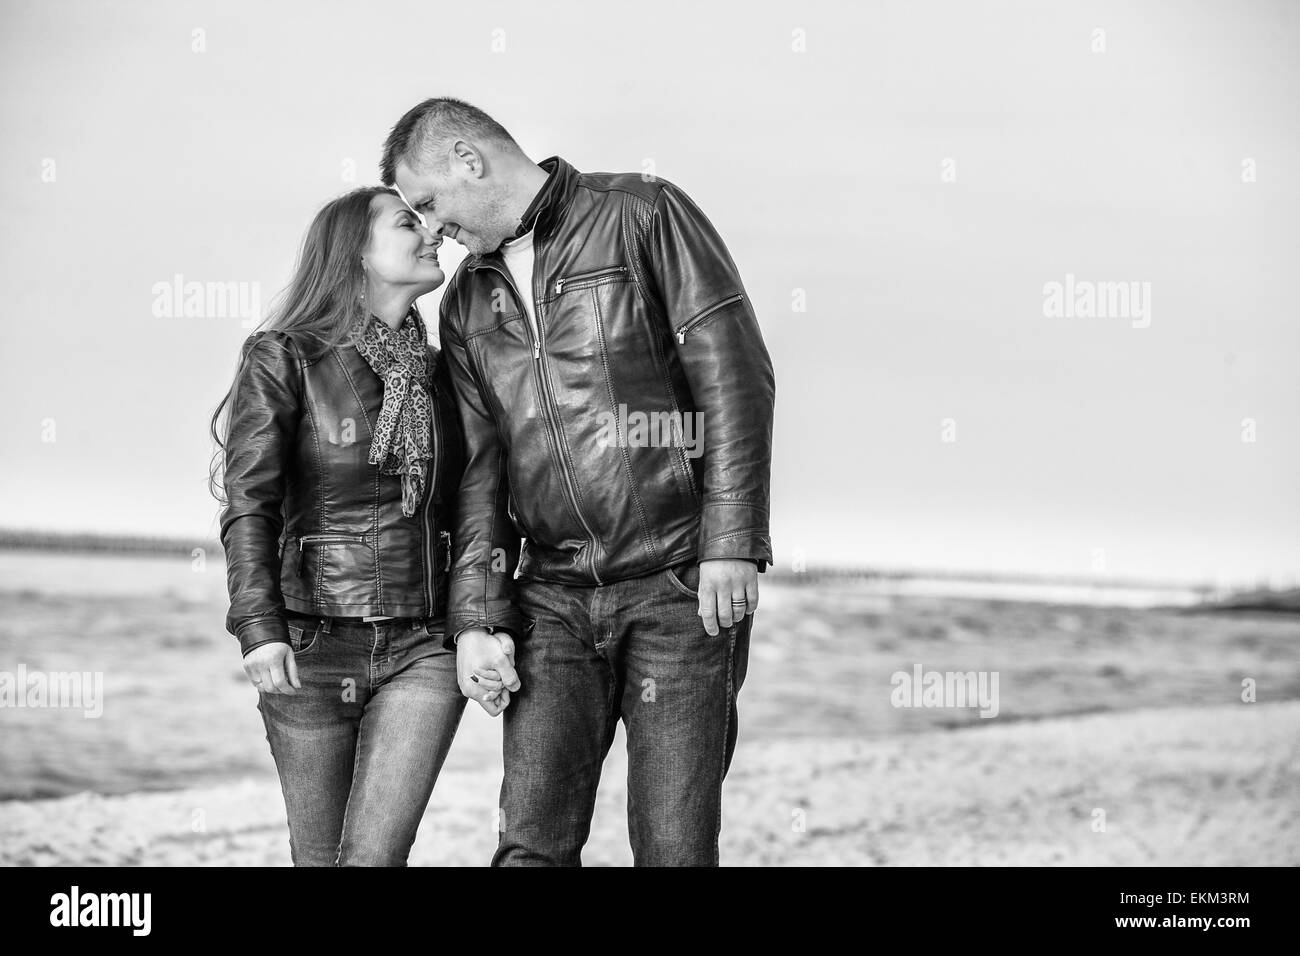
column 401, row 252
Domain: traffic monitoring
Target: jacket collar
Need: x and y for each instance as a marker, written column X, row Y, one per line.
column 545, row 211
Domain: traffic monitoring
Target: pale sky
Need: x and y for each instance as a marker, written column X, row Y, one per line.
column 919, row 170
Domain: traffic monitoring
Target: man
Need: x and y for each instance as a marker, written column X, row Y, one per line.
column 617, row 401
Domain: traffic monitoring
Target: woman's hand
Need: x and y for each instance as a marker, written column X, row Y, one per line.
column 485, row 669
column 272, row 668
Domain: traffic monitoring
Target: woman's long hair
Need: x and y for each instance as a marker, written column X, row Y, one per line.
column 321, row 302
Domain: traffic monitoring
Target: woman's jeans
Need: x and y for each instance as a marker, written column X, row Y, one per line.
column 358, row 748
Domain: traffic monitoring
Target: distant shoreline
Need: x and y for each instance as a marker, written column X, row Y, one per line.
column 162, row 545
column 933, row 582
column 63, row 541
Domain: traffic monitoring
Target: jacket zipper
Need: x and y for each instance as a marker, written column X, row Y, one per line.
column 543, row 381
column 510, row 510
column 426, row 533
column 681, row 333
column 330, row 538
column 583, row 276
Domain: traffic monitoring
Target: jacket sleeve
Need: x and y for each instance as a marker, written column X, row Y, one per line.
column 264, row 413
column 485, row 545
column 720, row 347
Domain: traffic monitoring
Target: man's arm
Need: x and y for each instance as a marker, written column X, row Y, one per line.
column 485, row 546
column 720, row 347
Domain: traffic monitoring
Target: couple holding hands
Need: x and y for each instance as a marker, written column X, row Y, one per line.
column 407, row 527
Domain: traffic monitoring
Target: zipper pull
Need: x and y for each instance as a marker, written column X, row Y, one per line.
column 301, row 560
column 681, row 337
column 559, row 286
column 537, row 350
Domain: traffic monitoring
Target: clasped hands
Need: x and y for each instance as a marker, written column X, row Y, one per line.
column 485, row 661
column 485, row 668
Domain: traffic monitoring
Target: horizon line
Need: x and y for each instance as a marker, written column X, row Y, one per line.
column 36, row 539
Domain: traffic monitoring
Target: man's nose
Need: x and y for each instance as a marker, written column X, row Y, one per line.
column 432, row 224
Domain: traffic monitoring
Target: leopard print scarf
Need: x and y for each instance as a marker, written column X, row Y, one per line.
column 401, row 439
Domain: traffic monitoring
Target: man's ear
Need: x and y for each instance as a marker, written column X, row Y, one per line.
column 469, row 156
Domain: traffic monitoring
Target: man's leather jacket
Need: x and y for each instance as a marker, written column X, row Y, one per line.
column 634, row 430
column 311, row 526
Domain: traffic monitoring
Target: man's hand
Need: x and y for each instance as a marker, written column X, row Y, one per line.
column 485, row 668
column 728, row 591
column 272, row 668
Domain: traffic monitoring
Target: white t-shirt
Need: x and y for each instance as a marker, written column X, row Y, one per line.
column 518, row 256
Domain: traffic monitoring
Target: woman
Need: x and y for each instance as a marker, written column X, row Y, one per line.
column 342, row 453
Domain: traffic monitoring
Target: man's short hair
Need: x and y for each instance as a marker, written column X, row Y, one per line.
column 427, row 131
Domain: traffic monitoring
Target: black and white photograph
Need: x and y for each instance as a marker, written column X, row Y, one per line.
column 695, row 434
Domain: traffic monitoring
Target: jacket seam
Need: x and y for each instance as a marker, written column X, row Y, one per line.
column 647, row 538
column 514, row 317
column 376, row 568
column 658, row 186
column 659, row 333
column 309, row 407
column 744, row 533
column 492, row 528
column 245, row 625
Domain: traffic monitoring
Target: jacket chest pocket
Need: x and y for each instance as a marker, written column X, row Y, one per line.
column 334, row 554
column 588, row 278
column 595, row 308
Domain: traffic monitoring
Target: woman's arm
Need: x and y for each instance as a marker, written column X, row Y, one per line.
column 264, row 414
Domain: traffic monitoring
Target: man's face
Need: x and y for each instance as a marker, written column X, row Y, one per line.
column 458, row 204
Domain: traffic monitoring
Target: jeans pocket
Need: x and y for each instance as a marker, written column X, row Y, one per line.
column 304, row 637
column 685, row 578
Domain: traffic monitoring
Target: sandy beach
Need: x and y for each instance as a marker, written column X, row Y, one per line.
column 1178, row 787
column 1133, row 713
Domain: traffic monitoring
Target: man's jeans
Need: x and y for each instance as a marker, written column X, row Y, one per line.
column 358, row 748
column 635, row 650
